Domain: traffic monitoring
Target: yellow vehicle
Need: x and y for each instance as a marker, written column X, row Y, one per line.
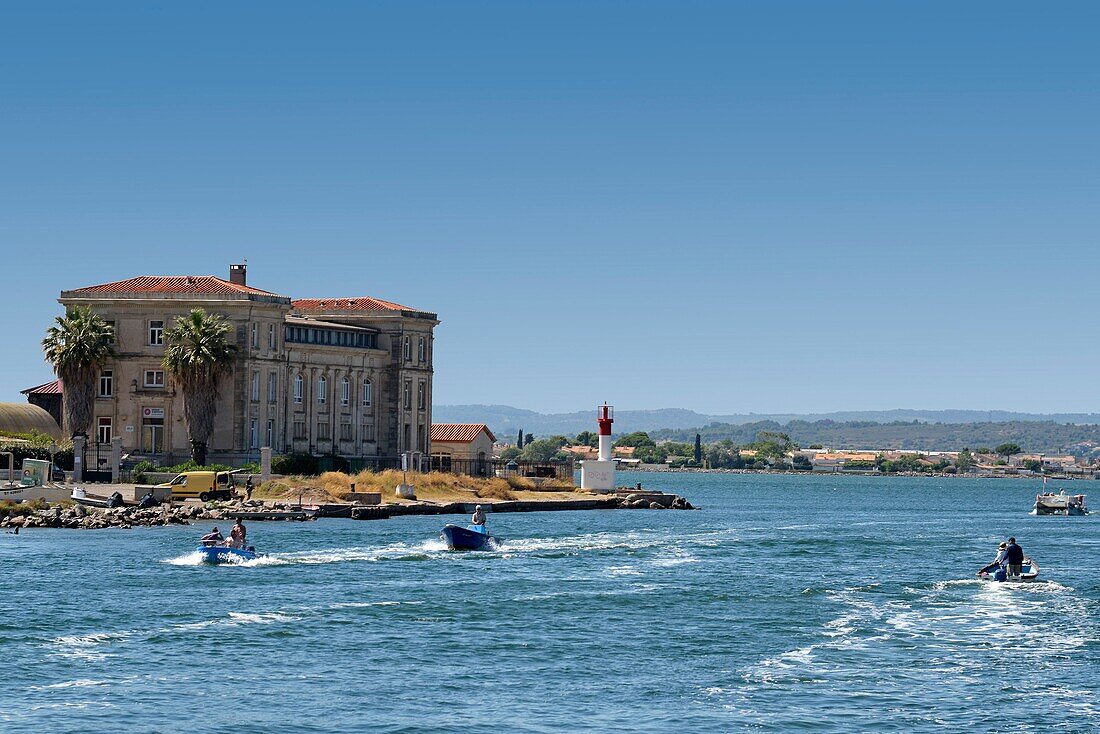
column 203, row 485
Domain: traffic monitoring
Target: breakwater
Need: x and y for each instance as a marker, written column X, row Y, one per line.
column 79, row 517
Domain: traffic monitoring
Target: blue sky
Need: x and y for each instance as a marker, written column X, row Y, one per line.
column 725, row 206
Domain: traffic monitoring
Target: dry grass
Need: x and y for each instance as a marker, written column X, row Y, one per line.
column 432, row 486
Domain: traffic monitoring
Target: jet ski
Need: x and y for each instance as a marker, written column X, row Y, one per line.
column 224, row 554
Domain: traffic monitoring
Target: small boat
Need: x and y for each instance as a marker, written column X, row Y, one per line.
column 1029, row 569
column 1060, row 504
column 81, row 497
column 458, row 538
column 225, row 554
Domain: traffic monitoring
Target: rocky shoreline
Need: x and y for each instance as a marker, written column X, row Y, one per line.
column 79, row 517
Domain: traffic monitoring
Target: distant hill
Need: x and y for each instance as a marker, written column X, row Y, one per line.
column 506, row 420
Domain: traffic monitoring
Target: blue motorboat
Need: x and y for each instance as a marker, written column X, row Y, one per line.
column 225, row 554
column 474, row 537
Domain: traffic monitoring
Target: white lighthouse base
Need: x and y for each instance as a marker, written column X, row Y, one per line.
column 598, row 476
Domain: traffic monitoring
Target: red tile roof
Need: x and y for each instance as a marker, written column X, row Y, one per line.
column 459, row 432
column 201, row 284
column 49, row 388
column 347, row 304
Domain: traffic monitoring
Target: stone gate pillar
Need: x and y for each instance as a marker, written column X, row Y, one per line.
column 265, row 464
column 79, row 442
column 116, row 460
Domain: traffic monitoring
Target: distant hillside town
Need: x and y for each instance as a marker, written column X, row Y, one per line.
column 777, row 451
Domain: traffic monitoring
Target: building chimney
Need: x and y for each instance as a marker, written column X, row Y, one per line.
column 238, row 274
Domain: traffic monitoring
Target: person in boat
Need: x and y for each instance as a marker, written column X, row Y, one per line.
column 478, row 519
column 1000, row 559
column 237, row 535
column 213, row 537
column 1014, row 558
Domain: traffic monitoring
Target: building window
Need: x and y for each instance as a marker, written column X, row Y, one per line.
column 254, row 387
column 299, row 385
column 106, row 384
column 368, row 432
column 420, row 438
column 322, row 390
column 156, row 333
column 421, row 389
column 271, row 336
column 252, row 438
column 270, row 437
column 254, row 338
column 406, row 351
column 345, row 431
column 322, row 431
column 154, row 378
column 366, row 393
column 422, row 351
column 408, row 395
column 103, row 430
column 272, row 387
column 299, row 430
column 345, row 391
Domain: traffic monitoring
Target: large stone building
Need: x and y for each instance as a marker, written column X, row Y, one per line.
column 350, row 377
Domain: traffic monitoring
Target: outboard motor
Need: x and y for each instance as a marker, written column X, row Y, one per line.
column 115, row 500
column 147, row 501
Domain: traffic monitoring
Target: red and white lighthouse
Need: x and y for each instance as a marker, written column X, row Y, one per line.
column 605, row 416
column 599, row 475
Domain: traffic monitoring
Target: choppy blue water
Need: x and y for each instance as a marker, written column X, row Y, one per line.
column 816, row 604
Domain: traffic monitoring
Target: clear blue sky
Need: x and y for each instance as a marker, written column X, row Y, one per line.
column 724, row 206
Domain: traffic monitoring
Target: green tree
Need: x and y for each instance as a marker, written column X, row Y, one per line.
column 1008, row 449
column 771, row 444
column 651, row 454
column 698, row 449
column 198, row 354
column 801, row 462
column 510, row 453
column 1033, row 465
column 519, row 440
column 638, row 438
column 965, row 460
column 527, row 439
column 543, row 449
column 588, row 438
column 77, row 346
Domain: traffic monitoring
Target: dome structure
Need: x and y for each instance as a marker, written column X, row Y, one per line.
column 24, row 417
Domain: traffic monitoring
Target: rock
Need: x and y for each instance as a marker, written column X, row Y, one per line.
column 656, row 506
column 79, row 511
column 16, row 521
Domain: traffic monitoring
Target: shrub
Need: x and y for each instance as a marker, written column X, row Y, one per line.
column 302, row 464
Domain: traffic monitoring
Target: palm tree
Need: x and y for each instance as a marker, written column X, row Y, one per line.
column 197, row 355
column 77, row 347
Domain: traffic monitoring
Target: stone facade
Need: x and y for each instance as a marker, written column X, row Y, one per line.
column 320, row 376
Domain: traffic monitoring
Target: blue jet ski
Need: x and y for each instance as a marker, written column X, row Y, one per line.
column 224, row 554
column 475, row 537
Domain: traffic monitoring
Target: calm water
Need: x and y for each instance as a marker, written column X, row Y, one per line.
column 787, row 604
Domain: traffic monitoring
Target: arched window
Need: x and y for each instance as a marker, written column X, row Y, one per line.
column 299, row 386
column 367, row 397
column 322, row 390
column 345, row 391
